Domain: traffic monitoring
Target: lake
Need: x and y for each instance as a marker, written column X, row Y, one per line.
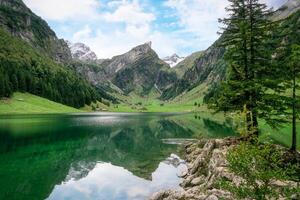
column 103, row 156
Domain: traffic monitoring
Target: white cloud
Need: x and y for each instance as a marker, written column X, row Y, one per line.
column 137, row 30
column 62, row 10
column 84, row 33
column 129, row 13
column 118, row 42
column 200, row 17
column 116, row 26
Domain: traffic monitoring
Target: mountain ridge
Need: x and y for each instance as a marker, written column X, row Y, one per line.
column 21, row 22
column 139, row 70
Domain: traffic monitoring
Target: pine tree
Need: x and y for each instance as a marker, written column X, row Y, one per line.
column 285, row 73
column 295, row 73
column 244, row 36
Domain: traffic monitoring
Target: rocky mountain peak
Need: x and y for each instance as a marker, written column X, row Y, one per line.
column 142, row 49
column 82, row 52
column 173, row 60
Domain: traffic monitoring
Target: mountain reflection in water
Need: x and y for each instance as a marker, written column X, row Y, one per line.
column 96, row 156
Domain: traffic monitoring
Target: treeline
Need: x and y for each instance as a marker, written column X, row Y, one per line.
column 24, row 69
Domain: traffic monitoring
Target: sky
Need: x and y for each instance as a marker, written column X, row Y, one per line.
column 113, row 27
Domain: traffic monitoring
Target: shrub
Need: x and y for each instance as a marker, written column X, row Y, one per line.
column 258, row 165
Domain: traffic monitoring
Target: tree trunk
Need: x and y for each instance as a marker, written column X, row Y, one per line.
column 252, row 76
column 255, row 123
column 294, row 134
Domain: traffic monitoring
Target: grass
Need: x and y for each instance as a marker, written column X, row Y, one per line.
column 281, row 135
column 98, row 106
column 25, row 103
column 182, row 103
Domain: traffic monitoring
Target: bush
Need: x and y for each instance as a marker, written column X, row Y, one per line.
column 258, row 165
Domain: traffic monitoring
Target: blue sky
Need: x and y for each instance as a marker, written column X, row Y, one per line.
column 113, row 27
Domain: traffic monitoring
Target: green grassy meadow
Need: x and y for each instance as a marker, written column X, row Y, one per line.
column 25, row 103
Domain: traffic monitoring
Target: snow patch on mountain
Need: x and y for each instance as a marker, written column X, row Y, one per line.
column 173, row 60
column 82, row 52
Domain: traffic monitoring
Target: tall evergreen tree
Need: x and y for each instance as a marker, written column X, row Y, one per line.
column 286, row 73
column 245, row 35
column 295, row 73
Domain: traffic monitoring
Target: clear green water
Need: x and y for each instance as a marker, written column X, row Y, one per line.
column 95, row 156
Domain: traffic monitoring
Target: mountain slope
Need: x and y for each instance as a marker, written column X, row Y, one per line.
column 24, row 68
column 290, row 7
column 32, row 59
column 187, row 63
column 25, row 103
column 139, row 70
column 210, row 67
column 19, row 21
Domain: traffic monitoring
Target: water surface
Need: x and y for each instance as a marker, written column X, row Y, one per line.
column 103, row 156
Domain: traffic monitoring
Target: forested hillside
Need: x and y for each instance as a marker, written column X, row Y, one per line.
column 23, row 68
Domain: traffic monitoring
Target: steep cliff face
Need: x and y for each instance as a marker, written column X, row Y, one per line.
column 208, row 67
column 187, row 63
column 290, row 7
column 139, row 70
column 19, row 21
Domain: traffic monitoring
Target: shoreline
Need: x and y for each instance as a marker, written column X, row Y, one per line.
column 207, row 164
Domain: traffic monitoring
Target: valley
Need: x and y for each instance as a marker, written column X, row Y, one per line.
column 136, row 81
column 219, row 123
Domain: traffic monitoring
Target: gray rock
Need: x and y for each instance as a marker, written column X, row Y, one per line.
column 212, row 197
column 220, row 193
column 198, row 180
column 201, row 159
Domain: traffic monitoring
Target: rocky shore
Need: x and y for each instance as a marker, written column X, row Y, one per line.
column 206, row 161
